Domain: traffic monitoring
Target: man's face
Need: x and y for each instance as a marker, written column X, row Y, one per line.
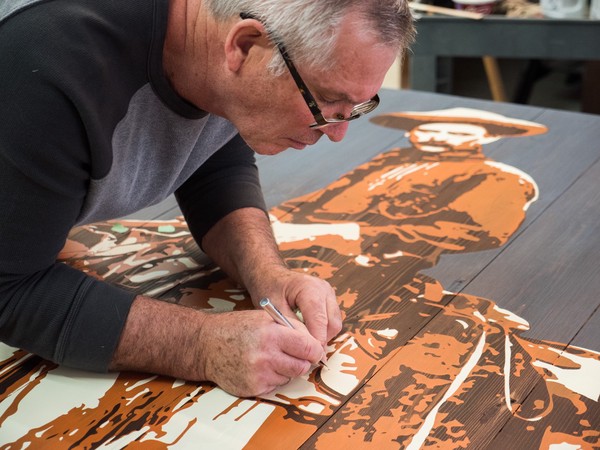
column 440, row 137
column 273, row 115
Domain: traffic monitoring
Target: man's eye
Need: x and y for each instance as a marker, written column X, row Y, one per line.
column 328, row 101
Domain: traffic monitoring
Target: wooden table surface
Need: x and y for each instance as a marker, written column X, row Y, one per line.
column 470, row 287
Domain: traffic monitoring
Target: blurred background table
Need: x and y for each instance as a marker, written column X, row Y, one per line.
column 441, row 38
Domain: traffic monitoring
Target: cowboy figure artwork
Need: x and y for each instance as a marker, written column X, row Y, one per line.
column 425, row 356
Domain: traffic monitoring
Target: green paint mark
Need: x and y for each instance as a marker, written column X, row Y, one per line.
column 166, row 229
column 119, row 228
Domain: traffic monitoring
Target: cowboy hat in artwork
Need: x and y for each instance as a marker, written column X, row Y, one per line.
column 495, row 124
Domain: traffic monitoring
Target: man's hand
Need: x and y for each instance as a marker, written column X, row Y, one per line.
column 314, row 298
column 246, row 353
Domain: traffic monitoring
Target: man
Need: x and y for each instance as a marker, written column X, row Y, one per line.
column 110, row 107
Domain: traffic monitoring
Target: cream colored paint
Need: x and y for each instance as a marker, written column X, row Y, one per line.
column 585, row 380
column 565, row 446
column 507, row 362
column 221, row 304
column 210, row 422
column 153, row 275
column 419, row 438
column 337, row 376
column 294, row 232
column 362, row 260
column 523, row 324
column 61, row 390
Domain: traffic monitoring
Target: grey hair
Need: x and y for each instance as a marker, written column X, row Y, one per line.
column 309, row 28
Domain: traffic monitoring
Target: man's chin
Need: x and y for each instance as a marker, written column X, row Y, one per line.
column 267, row 149
column 261, row 147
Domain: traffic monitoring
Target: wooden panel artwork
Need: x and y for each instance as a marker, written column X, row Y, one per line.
column 416, row 366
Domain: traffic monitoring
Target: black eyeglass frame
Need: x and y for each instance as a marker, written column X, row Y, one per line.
column 320, row 121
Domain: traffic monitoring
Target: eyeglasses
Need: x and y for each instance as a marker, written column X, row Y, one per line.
column 320, row 121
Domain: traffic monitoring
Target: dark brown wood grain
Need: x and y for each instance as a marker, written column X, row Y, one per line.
column 574, row 423
column 443, row 356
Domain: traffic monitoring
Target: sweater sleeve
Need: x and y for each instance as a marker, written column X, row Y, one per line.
column 227, row 181
column 46, row 307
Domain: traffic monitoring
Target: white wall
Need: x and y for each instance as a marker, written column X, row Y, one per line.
column 392, row 79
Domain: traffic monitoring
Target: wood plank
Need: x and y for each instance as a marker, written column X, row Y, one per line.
column 559, row 412
column 554, row 160
column 493, row 382
column 578, row 412
column 445, row 11
column 425, row 398
column 371, row 410
column 589, row 335
column 556, row 281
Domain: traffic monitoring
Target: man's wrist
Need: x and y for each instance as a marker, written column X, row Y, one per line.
column 265, row 281
column 161, row 337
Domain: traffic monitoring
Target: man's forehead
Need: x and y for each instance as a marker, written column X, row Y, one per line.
column 357, row 70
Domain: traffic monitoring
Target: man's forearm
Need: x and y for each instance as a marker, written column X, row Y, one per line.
column 242, row 244
column 161, row 337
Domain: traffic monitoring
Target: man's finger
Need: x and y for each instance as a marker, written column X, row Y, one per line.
column 334, row 315
column 301, row 346
column 317, row 322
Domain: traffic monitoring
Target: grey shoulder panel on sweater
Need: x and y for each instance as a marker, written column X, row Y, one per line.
column 10, row 7
column 155, row 151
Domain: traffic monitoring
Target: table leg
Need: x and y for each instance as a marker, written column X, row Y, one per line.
column 494, row 78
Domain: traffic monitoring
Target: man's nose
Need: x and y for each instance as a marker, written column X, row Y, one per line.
column 336, row 132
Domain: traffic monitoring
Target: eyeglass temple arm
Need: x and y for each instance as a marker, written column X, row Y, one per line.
column 308, row 98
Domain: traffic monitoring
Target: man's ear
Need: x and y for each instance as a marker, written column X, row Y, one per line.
column 241, row 38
